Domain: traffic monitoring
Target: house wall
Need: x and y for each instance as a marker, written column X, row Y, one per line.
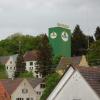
column 83, row 62
column 10, row 67
column 19, row 94
column 39, row 90
column 32, row 68
column 61, row 83
column 76, row 88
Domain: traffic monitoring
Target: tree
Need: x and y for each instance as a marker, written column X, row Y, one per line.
column 93, row 54
column 79, row 42
column 20, row 65
column 51, row 82
column 3, row 73
column 3, row 51
column 97, row 33
column 44, row 61
column 10, row 45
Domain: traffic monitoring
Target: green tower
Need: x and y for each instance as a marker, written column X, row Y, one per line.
column 60, row 40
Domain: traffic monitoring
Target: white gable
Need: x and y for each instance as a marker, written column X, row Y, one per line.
column 73, row 88
column 21, row 92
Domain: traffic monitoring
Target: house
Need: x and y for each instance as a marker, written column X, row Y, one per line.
column 10, row 64
column 24, row 89
column 78, row 83
column 76, row 61
column 30, row 59
column 3, row 93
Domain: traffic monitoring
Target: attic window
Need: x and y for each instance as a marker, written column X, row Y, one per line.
column 10, row 62
column 24, row 90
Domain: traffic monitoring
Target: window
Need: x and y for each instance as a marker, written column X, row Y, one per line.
column 7, row 67
column 37, row 76
column 39, row 93
column 19, row 98
column 36, row 72
column 31, row 99
column 10, row 67
column 42, row 85
column 24, row 90
column 28, row 99
column 14, row 68
column 31, row 63
column 10, row 62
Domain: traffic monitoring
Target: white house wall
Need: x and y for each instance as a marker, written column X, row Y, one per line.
column 28, row 66
column 10, row 67
column 39, row 89
column 32, row 68
column 18, row 92
column 76, row 89
column 61, row 83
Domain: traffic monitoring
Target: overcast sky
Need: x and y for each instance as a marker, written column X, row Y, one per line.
column 35, row 16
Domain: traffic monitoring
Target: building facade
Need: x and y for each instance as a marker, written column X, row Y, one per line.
column 60, row 40
column 24, row 89
column 79, row 83
column 30, row 59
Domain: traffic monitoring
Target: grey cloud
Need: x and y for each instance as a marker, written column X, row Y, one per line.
column 35, row 16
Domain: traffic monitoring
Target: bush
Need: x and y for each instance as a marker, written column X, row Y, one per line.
column 3, row 74
column 51, row 82
column 26, row 74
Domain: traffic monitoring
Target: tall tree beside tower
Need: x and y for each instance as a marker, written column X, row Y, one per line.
column 44, row 61
column 20, row 65
column 97, row 33
column 79, row 42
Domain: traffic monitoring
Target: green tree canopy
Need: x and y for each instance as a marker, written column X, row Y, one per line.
column 97, row 33
column 51, row 82
column 79, row 42
column 93, row 54
column 10, row 45
column 44, row 61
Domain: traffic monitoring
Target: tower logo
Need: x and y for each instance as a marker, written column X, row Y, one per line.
column 64, row 36
column 53, row 35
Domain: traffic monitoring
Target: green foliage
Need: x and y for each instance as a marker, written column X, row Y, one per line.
column 51, row 82
column 3, row 51
column 93, row 54
column 97, row 33
column 56, row 60
column 79, row 42
column 44, row 60
column 3, row 74
column 26, row 75
column 11, row 44
column 20, row 65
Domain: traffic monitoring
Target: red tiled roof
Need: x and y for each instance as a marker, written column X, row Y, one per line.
column 31, row 55
column 10, row 84
column 92, row 76
column 3, row 93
